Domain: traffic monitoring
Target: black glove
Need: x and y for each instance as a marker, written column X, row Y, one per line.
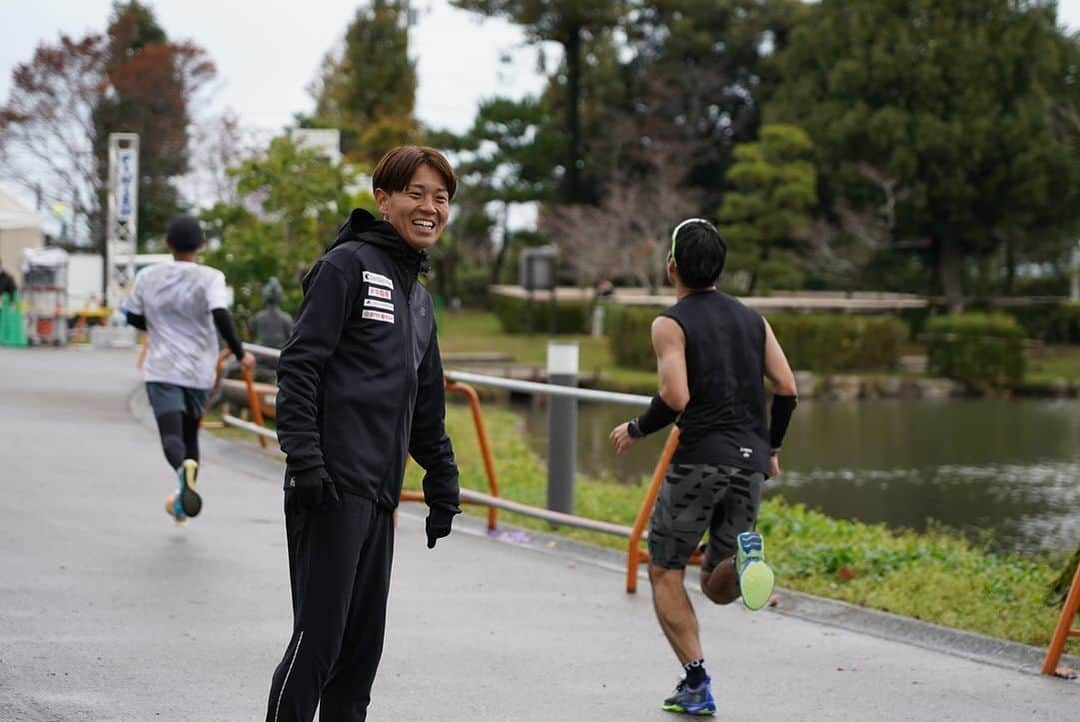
column 313, row 490
column 438, row 525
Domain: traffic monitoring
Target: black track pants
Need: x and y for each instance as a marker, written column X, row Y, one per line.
column 339, row 565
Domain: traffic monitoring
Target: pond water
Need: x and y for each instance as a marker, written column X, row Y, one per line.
column 1007, row 469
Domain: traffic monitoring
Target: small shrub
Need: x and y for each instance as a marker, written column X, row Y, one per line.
column 513, row 314
column 981, row 350
column 831, row 343
column 628, row 329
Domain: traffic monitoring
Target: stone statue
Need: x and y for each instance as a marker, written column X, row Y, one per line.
column 271, row 326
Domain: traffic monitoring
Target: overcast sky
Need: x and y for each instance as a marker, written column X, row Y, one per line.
column 267, row 53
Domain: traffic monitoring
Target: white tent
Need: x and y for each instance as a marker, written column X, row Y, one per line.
column 20, row 228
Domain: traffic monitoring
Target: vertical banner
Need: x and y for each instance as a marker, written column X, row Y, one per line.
column 123, row 218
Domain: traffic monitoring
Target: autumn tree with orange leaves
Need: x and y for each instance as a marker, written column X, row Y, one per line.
column 66, row 100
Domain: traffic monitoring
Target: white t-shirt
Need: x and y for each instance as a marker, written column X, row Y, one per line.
column 176, row 298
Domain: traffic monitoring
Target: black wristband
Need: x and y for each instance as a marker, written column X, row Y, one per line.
column 633, row 430
column 658, row 415
column 780, row 417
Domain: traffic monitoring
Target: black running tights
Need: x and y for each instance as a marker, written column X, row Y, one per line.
column 179, row 437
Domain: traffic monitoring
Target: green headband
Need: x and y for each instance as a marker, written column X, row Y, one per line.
column 675, row 233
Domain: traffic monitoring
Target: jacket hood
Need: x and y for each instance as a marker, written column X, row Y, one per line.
column 362, row 226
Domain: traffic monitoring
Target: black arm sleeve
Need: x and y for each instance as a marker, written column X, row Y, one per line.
column 136, row 319
column 428, row 443
column 224, row 323
column 782, row 409
column 656, row 417
column 328, row 299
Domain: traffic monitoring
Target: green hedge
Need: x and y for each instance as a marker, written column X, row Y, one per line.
column 472, row 288
column 977, row 348
column 831, row 343
column 1050, row 322
column 513, row 315
column 628, row 329
column 824, row 343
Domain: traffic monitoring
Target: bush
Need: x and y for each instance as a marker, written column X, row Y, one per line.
column 830, row 343
column 815, row 342
column 513, row 315
column 981, row 350
column 628, row 329
column 472, row 288
column 1049, row 322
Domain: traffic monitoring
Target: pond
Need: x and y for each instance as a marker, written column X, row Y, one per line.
column 1006, row 469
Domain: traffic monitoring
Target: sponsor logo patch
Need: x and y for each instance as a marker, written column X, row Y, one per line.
column 378, row 279
column 378, row 304
column 378, row 292
column 377, row 316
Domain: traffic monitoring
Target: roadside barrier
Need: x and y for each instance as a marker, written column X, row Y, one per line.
column 455, row 383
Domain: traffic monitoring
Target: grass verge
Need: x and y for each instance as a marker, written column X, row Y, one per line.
column 935, row 576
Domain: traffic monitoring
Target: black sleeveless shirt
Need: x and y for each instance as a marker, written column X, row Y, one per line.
column 724, row 423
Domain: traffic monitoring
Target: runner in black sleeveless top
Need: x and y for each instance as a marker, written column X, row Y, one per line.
column 712, row 354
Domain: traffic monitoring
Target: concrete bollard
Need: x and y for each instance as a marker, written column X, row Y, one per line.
column 562, row 367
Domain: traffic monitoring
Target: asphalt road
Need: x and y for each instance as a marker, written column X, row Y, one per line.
column 110, row 612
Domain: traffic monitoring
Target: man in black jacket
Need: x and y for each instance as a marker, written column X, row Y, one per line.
column 360, row 387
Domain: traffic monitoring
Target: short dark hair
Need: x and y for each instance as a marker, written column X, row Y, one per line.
column 699, row 254
column 395, row 169
column 184, row 233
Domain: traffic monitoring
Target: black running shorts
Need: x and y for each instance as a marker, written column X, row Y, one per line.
column 696, row 497
column 165, row 398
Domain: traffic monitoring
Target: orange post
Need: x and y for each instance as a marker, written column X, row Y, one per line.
column 485, row 450
column 1064, row 628
column 635, row 555
column 482, row 439
column 254, row 402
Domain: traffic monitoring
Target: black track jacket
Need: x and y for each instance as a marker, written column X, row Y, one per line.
column 360, row 381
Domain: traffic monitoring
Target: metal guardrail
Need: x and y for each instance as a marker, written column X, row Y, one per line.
column 460, row 381
column 534, row 387
column 498, row 382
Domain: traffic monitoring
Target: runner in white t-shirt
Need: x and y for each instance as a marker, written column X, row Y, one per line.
column 179, row 305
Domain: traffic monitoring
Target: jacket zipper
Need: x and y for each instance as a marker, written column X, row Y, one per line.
column 403, row 426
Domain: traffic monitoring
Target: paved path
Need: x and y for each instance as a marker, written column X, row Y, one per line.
column 109, row 612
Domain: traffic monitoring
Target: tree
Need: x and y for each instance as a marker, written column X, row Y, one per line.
column 151, row 84
column 947, row 98
column 628, row 235
column 367, row 89
column 220, row 143
column 47, row 126
column 64, row 103
column 572, row 24
column 698, row 74
column 506, row 159
column 774, row 190
column 292, row 204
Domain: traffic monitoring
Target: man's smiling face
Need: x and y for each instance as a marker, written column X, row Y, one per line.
column 418, row 213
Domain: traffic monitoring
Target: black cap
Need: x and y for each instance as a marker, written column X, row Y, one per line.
column 184, row 233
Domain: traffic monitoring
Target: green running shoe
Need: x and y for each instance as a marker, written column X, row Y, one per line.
column 691, row 700
column 756, row 578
